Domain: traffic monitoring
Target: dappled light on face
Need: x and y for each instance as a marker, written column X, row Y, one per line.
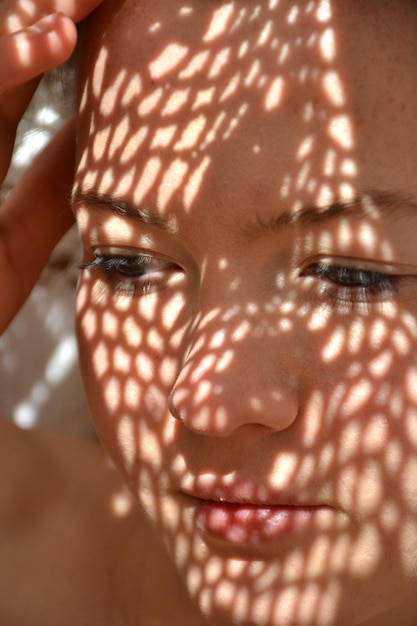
column 247, row 304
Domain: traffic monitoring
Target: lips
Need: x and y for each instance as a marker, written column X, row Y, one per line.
column 243, row 514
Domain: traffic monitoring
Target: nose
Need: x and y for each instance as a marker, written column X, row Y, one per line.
column 226, row 383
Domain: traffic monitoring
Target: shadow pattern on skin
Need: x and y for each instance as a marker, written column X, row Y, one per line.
column 235, row 364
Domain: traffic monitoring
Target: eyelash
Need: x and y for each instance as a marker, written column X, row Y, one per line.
column 338, row 285
column 131, row 275
column 349, row 286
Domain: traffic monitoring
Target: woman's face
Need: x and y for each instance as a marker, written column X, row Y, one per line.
column 246, row 194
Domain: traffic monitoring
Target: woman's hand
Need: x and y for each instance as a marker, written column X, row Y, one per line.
column 35, row 36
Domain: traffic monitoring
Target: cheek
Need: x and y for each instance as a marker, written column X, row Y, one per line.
column 129, row 354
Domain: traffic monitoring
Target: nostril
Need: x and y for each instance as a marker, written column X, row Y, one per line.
column 173, row 406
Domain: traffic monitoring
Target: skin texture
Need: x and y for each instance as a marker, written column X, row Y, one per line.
column 216, row 139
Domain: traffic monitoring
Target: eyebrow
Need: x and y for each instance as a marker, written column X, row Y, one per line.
column 120, row 207
column 387, row 205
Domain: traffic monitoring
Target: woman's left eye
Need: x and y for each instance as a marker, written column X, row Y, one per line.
column 132, row 275
column 344, row 284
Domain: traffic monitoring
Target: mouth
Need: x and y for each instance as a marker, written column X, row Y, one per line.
column 253, row 522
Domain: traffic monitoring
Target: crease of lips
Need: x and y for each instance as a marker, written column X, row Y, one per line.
column 249, row 523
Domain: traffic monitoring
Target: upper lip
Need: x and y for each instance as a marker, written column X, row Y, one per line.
column 246, row 491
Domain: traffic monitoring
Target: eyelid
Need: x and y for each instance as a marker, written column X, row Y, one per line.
column 360, row 263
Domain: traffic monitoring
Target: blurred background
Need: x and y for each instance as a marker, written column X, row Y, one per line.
column 40, row 385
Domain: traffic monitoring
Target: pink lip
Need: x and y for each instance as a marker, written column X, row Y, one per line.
column 245, row 514
column 252, row 524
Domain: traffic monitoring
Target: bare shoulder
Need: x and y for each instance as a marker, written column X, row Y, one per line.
column 74, row 548
column 65, row 521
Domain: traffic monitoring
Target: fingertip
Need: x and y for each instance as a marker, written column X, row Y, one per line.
column 60, row 33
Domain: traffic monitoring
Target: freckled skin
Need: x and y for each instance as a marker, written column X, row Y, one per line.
column 246, row 367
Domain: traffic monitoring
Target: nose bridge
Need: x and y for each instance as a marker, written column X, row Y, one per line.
column 234, row 373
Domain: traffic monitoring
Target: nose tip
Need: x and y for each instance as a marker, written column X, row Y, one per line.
column 217, row 403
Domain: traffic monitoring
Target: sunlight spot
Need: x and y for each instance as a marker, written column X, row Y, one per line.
column 348, row 167
column 242, row 331
column 194, row 183
column 153, row 338
column 253, row 73
column 195, row 66
column 100, row 359
column 327, row 45
column 110, row 325
column 325, row 195
column 146, row 310
column 293, row 14
column 176, row 101
column 109, row 98
column 305, row 147
column 133, row 90
column 98, row 74
column 324, row 11
column 231, row 88
column 273, row 96
column 401, row 342
column 329, row 165
column 302, row 176
column 121, row 504
column 411, row 384
column 172, row 180
column 333, row 88
column 308, row 112
column 235, row 121
column 163, row 136
column 132, row 394
column 341, row 131
column 168, row 60
column 273, row 4
column 219, row 62
column 204, row 97
column 211, row 136
column 357, row 396
column 378, row 334
column 224, row 361
column 317, row 321
column 312, row 425
column 147, row 180
column 265, row 34
column 119, row 136
column 389, row 516
column 112, row 395
column 284, row 54
column 333, row 348
column 356, row 337
column 220, row 22
column 150, row 103
column 191, row 133
column 285, row 325
column 134, row 144
column 346, row 191
column 185, row 11
column 251, row 309
column 99, row 144
column 121, row 360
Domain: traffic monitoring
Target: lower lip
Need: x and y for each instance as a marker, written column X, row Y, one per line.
column 251, row 524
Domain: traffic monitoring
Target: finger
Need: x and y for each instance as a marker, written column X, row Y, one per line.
column 16, row 15
column 33, row 219
column 36, row 49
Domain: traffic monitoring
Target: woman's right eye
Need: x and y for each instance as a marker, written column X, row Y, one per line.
column 132, row 275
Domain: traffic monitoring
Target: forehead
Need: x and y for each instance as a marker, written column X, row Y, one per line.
column 279, row 98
